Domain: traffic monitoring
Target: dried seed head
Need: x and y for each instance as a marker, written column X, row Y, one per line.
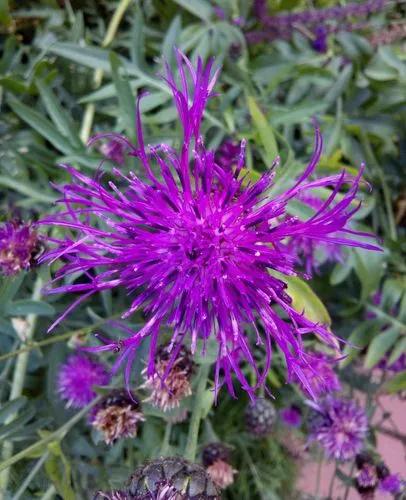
column 168, row 395
column 117, row 416
column 216, row 459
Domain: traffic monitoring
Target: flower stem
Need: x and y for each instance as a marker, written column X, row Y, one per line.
column 98, row 74
column 318, row 475
column 18, row 384
column 193, row 435
column 330, row 490
column 165, row 442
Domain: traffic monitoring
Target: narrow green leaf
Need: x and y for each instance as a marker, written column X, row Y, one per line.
column 171, row 39
column 58, row 115
column 396, row 384
column 380, row 345
column 397, row 351
column 124, row 94
column 199, row 8
column 265, row 131
column 358, row 339
column 6, row 431
column 27, row 189
column 41, row 125
column 11, row 407
column 9, row 288
column 28, row 306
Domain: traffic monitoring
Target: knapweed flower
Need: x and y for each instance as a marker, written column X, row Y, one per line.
column 77, row 377
column 260, row 417
column 291, row 416
column 168, row 389
column 114, row 150
column 392, row 484
column 319, row 375
column 20, row 247
column 117, row 416
column 216, row 458
column 339, row 426
column 196, row 246
column 366, row 481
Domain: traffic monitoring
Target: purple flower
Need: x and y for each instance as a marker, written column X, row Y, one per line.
column 320, row 42
column 319, row 375
column 391, row 484
column 198, row 247
column 339, row 426
column 77, row 377
column 114, row 150
column 291, row 416
column 228, row 154
column 20, row 246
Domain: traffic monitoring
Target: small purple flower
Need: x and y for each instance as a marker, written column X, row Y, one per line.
column 20, row 246
column 391, row 484
column 228, row 154
column 291, row 416
column 77, row 377
column 114, row 150
column 339, row 426
column 319, row 44
column 197, row 246
column 319, row 374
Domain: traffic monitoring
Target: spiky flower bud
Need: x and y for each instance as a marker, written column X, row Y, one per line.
column 117, row 416
column 179, row 369
column 366, row 481
column 170, row 478
column 216, row 459
column 260, row 417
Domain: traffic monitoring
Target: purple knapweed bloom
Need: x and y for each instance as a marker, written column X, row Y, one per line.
column 77, row 377
column 319, row 374
column 114, row 150
column 194, row 245
column 339, row 426
column 392, row 484
column 291, row 416
column 20, row 246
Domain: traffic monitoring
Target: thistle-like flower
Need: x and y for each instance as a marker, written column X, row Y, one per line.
column 366, row 481
column 168, row 389
column 319, row 375
column 20, row 247
column 77, row 377
column 291, row 416
column 339, row 426
column 117, row 416
column 114, row 150
column 216, row 458
column 198, row 247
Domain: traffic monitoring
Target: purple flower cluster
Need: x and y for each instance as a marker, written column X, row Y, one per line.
column 77, row 377
column 19, row 247
column 319, row 23
column 339, row 426
column 197, row 245
column 291, row 416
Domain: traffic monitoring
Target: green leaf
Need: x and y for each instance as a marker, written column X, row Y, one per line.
column 171, row 39
column 28, row 306
column 396, row 384
column 58, row 115
column 265, row 131
column 11, row 407
column 206, row 402
column 397, row 351
column 297, row 113
column 9, row 288
column 199, row 8
column 124, row 95
column 380, row 346
column 358, row 339
column 27, row 189
column 41, row 125
column 58, row 470
column 369, row 269
column 6, row 431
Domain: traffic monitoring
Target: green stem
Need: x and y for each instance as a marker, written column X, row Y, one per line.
column 34, row 471
column 57, row 338
column 193, row 435
column 166, row 440
column 318, row 474
column 50, row 493
column 112, row 28
column 17, row 384
column 57, row 435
